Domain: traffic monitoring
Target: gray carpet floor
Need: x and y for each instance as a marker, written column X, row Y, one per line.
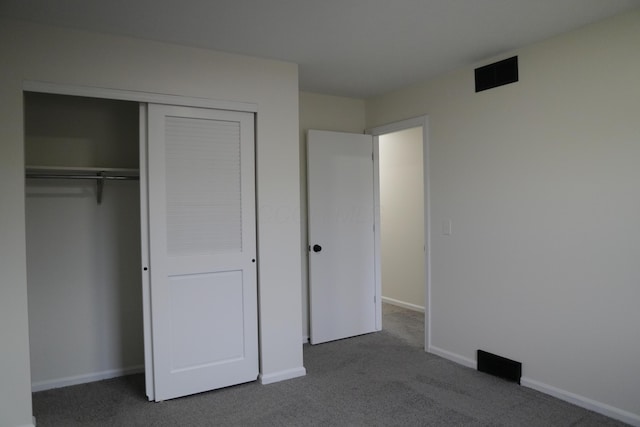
column 380, row 379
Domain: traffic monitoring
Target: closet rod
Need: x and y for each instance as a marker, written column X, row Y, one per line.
column 100, row 177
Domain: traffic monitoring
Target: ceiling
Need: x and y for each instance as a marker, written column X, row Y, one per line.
column 357, row 48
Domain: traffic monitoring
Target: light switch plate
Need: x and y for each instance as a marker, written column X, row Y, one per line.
column 447, row 227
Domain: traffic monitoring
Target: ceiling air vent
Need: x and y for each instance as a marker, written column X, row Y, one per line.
column 497, row 74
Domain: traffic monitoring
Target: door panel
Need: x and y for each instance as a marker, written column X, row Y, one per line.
column 202, row 245
column 341, row 235
column 195, row 300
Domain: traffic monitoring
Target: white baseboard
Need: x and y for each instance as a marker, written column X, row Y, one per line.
column 85, row 378
column 584, row 402
column 305, row 339
column 403, row 304
column 461, row 360
column 282, row 375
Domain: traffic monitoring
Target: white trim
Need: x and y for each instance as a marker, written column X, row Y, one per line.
column 377, row 253
column 461, row 360
column 584, row 402
column 398, row 126
column 282, row 375
column 305, row 339
column 403, row 304
column 137, row 96
column 421, row 121
column 427, row 231
column 85, row 378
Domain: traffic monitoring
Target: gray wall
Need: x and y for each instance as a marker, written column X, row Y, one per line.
column 540, row 180
column 47, row 54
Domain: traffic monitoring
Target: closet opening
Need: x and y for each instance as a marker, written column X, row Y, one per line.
column 83, row 239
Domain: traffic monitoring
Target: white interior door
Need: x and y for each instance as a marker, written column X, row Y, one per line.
column 202, row 250
column 342, row 288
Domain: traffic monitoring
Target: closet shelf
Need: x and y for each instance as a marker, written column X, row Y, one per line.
column 100, row 175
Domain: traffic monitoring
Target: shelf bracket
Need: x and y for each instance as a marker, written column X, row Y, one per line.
column 99, row 186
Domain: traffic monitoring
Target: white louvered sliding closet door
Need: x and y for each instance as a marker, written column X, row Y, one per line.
column 202, row 249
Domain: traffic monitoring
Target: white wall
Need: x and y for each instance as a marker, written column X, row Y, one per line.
column 540, row 179
column 39, row 53
column 83, row 258
column 402, row 218
column 321, row 112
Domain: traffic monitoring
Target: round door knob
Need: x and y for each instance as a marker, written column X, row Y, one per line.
column 317, row 248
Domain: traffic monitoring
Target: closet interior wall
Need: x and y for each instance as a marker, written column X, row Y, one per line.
column 83, row 258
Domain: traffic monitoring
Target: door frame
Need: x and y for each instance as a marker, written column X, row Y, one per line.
column 376, row 132
column 147, row 98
